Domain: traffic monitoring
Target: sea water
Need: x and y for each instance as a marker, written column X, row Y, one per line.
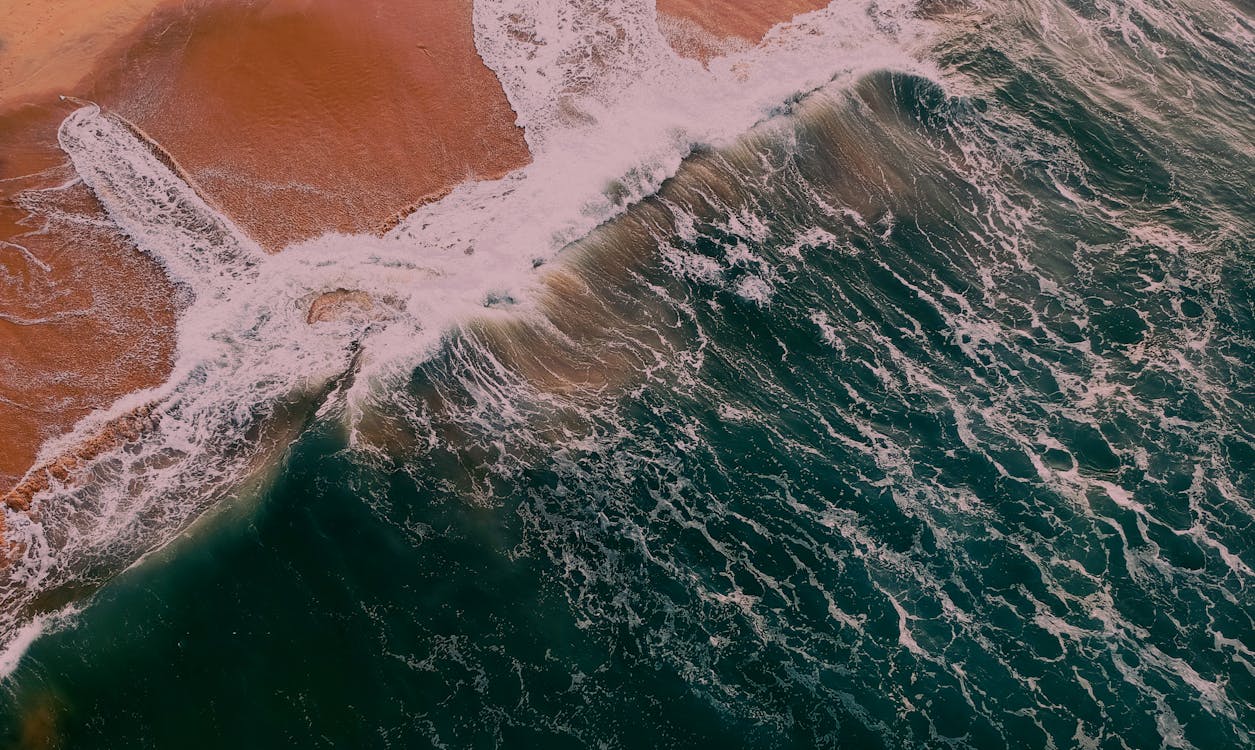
column 906, row 400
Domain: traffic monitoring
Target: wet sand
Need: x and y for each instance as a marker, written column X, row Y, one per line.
column 294, row 117
column 704, row 29
column 298, row 117
column 84, row 318
column 49, row 47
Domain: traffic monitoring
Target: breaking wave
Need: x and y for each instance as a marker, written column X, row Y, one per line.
column 888, row 383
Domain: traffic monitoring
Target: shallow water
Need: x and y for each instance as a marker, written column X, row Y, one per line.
column 920, row 414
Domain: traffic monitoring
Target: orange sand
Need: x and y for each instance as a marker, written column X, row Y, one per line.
column 48, row 46
column 295, row 117
column 301, row 116
column 84, row 318
column 703, row 29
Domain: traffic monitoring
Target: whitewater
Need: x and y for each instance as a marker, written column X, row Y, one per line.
column 245, row 348
column 886, row 384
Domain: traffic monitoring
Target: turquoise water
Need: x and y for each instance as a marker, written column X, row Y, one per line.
column 918, row 417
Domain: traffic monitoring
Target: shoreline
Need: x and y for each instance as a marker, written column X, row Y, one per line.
column 318, row 131
column 706, row 29
column 293, row 118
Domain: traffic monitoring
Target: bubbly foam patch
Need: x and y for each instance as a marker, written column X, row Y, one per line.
column 610, row 112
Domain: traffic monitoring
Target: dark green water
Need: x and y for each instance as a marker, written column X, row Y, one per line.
column 914, row 419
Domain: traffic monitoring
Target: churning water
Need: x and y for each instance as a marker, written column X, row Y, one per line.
column 892, row 384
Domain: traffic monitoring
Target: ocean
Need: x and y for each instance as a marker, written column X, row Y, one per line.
column 889, row 385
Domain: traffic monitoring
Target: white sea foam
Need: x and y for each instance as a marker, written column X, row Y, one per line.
column 610, row 112
column 17, row 644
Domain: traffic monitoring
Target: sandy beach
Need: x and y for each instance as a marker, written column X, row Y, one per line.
column 859, row 374
column 704, row 29
column 49, row 47
column 84, row 318
column 294, row 118
column 298, row 117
